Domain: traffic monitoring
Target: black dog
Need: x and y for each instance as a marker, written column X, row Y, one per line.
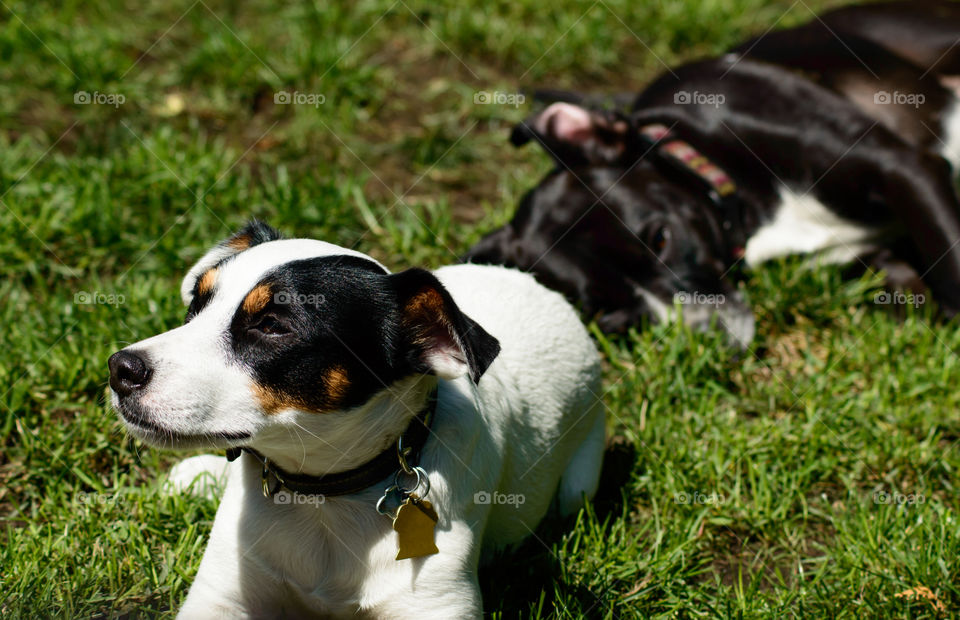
column 836, row 137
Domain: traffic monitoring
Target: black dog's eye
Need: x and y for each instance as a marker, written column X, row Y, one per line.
column 660, row 239
column 270, row 325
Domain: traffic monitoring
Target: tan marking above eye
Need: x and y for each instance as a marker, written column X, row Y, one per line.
column 240, row 242
column 207, row 281
column 257, row 299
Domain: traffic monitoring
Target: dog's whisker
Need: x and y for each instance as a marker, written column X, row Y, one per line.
column 303, row 446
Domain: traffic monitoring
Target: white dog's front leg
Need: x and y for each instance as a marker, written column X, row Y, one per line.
column 219, row 589
column 209, row 599
column 230, row 583
column 441, row 600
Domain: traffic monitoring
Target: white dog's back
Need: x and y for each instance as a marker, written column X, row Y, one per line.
column 540, row 399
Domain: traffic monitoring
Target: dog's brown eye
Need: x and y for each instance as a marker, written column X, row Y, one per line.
column 660, row 239
column 271, row 325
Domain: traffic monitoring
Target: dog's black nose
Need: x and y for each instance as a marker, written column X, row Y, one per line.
column 128, row 372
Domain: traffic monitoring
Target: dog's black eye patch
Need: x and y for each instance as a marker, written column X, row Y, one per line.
column 264, row 312
column 317, row 334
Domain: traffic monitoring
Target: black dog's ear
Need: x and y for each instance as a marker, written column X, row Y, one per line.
column 493, row 249
column 574, row 135
column 437, row 337
column 254, row 233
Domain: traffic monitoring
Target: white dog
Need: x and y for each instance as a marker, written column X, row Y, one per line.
column 316, row 362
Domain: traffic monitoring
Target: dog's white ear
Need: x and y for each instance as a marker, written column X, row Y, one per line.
column 437, row 337
column 254, row 233
column 574, row 135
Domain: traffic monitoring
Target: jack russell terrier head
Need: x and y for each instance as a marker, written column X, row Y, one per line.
column 298, row 348
column 616, row 232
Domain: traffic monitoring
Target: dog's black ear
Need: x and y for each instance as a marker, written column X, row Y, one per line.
column 254, row 233
column 575, row 136
column 436, row 336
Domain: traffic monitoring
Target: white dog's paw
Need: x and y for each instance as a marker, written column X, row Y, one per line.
column 203, row 476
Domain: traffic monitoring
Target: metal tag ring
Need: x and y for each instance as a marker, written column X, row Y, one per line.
column 422, row 479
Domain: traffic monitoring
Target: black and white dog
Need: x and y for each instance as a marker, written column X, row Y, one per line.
column 839, row 137
column 393, row 426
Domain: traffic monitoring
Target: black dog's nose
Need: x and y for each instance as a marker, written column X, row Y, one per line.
column 128, row 372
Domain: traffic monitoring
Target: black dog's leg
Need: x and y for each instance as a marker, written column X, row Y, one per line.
column 918, row 187
column 899, row 271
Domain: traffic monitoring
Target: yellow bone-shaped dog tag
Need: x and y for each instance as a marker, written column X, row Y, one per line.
column 415, row 525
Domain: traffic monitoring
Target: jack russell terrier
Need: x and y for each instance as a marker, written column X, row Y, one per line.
column 389, row 430
column 839, row 137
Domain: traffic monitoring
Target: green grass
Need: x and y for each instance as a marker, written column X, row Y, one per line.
column 749, row 484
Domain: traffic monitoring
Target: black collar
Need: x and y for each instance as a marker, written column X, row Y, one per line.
column 681, row 157
column 354, row 480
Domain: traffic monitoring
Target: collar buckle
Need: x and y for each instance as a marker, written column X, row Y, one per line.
column 403, row 452
column 265, row 479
